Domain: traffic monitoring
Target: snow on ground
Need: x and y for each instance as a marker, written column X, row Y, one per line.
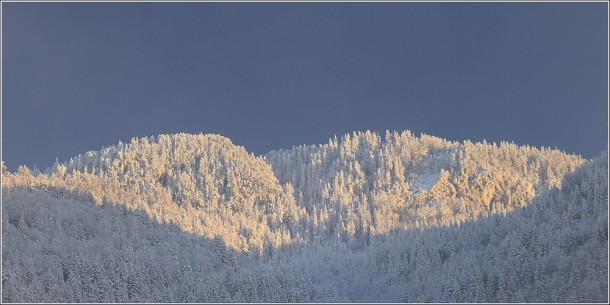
column 425, row 181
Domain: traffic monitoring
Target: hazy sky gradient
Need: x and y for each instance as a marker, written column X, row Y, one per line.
column 79, row 76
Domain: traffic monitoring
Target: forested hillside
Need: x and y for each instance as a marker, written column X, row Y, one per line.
column 194, row 218
column 364, row 184
column 203, row 183
column 553, row 250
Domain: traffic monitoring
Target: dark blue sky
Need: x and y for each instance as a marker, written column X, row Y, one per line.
column 79, row 76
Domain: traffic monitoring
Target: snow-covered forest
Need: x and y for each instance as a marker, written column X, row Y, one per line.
column 363, row 218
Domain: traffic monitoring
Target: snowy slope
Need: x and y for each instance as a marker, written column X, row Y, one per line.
column 365, row 217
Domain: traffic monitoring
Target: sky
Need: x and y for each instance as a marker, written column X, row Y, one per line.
column 80, row 76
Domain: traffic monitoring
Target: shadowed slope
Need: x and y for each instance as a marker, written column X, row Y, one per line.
column 58, row 249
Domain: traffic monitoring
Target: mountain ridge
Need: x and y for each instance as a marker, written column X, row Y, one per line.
column 194, row 218
column 344, row 188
